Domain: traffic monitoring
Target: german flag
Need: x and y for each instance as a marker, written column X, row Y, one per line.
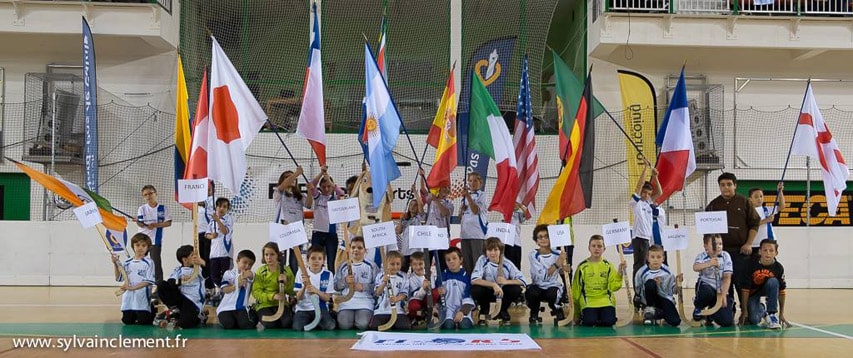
column 572, row 193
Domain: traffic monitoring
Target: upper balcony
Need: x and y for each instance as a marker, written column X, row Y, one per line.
column 745, row 35
column 137, row 28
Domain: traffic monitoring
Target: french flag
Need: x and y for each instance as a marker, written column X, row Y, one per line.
column 677, row 159
column 312, row 119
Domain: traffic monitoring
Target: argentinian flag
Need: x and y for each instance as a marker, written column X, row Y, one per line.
column 382, row 127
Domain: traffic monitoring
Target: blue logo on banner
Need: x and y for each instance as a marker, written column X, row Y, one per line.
column 491, row 62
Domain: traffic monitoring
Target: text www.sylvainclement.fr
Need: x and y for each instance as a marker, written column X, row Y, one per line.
column 95, row 342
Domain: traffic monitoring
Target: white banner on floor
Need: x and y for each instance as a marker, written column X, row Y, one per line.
column 385, row 341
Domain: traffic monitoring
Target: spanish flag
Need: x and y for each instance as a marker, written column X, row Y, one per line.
column 572, row 193
column 442, row 136
column 183, row 139
column 76, row 195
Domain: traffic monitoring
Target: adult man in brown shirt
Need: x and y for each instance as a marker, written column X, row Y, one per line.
column 743, row 223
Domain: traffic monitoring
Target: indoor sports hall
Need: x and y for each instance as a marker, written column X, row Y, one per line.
column 564, row 108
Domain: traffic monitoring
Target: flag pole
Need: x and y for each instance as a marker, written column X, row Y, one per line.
column 796, row 123
column 791, row 146
column 274, row 129
column 626, row 135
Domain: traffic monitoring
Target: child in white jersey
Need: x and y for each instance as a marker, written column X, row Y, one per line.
column 183, row 294
column 220, row 232
column 654, row 287
column 233, row 311
column 325, row 234
column 487, row 285
column 357, row 311
column 151, row 218
column 473, row 212
column 545, row 270
column 420, row 286
column 135, row 300
column 455, row 289
column 319, row 282
column 715, row 268
column 392, row 290
column 290, row 204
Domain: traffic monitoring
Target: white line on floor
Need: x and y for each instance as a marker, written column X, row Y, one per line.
column 822, row 331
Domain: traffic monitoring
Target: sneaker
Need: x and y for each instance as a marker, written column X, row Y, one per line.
column 649, row 316
column 697, row 314
column 764, row 321
column 534, row 317
column 773, row 321
column 504, row 316
column 558, row 315
column 482, row 323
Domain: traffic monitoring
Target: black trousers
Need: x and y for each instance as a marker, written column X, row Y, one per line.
column 237, row 319
column 172, row 297
column 484, row 296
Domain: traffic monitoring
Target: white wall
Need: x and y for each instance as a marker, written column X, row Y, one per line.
column 63, row 253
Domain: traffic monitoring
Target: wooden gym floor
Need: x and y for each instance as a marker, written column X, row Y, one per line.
column 823, row 326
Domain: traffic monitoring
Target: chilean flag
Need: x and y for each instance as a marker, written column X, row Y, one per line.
column 676, row 160
column 312, row 120
column 235, row 119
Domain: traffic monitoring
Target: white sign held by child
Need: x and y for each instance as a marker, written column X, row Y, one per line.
column 192, row 190
column 503, row 231
column 288, row 236
column 674, row 239
column 428, row 237
column 88, row 215
column 560, row 235
column 344, row 210
column 616, row 233
column 440, row 239
column 381, row 234
column 712, row 222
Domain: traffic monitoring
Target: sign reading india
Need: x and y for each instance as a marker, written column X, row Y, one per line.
column 503, row 231
column 88, row 215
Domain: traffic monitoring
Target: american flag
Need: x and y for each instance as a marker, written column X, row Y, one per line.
column 525, row 147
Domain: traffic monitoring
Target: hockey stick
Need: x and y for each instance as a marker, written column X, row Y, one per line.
column 498, row 299
column 315, row 300
column 680, row 292
column 281, row 308
column 719, row 303
column 390, row 288
column 568, row 311
column 342, row 299
column 194, row 274
column 622, row 322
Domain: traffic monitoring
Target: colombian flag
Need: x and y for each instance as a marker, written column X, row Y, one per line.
column 183, row 139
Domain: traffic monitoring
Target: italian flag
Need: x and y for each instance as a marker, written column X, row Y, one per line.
column 488, row 134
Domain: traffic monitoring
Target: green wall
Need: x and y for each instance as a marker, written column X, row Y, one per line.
column 16, row 196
